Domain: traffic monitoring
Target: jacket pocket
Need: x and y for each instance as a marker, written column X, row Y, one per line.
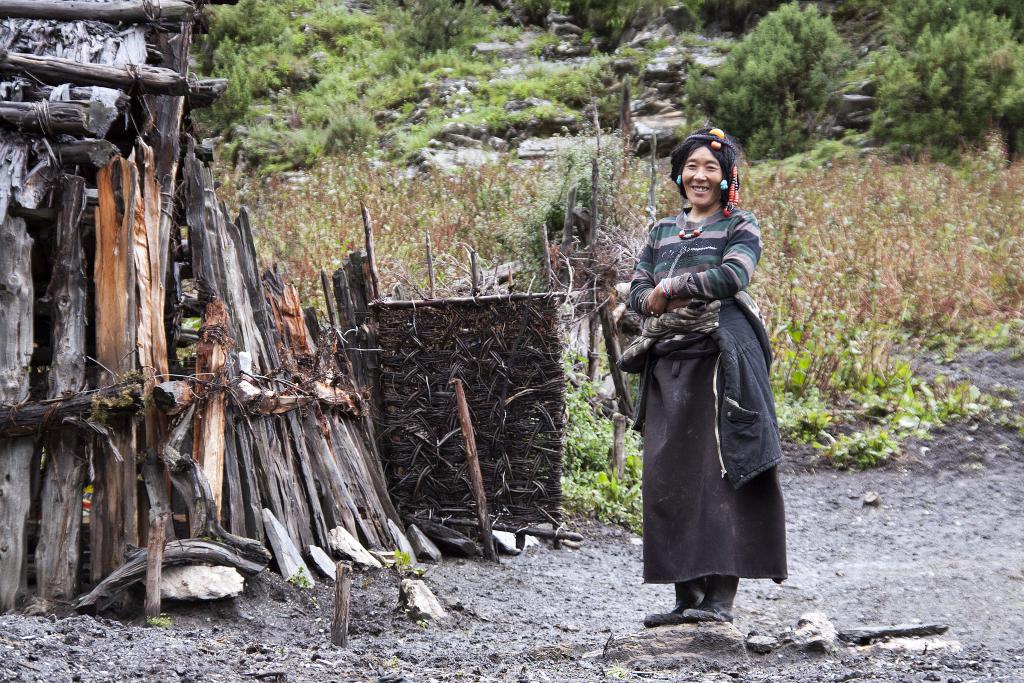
column 737, row 413
column 741, row 434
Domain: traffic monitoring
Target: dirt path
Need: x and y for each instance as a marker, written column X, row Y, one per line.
column 946, row 544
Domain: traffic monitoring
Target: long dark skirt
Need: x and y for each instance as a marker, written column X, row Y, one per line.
column 695, row 522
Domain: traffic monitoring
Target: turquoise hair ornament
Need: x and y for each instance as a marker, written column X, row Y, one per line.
column 724, row 185
column 679, row 179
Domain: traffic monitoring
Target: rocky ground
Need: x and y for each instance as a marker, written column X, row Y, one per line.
column 943, row 544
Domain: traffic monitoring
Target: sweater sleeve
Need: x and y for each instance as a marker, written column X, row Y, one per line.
column 739, row 258
column 643, row 278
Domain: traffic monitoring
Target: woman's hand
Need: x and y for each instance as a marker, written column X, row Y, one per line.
column 657, row 300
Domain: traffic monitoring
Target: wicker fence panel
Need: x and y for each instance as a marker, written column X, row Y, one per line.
column 508, row 355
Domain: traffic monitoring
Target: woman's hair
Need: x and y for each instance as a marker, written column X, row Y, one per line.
column 728, row 156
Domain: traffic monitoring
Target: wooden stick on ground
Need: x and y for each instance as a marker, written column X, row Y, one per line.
column 342, row 600
column 476, row 478
column 155, row 562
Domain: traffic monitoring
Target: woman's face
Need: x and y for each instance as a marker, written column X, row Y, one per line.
column 701, row 178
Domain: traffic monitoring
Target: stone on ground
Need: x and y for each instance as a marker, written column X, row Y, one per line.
column 675, row 646
column 505, row 541
column 289, row 560
column 322, row 561
column 919, row 645
column 403, row 542
column 815, row 634
column 200, row 582
column 761, row 645
column 345, row 545
column 418, row 600
column 426, row 550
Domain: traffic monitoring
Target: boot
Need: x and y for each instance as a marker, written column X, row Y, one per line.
column 717, row 602
column 688, row 595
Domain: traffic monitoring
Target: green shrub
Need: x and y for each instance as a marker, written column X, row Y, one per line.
column 606, row 17
column 434, row 25
column 951, row 85
column 732, row 14
column 774, row 84
column 905, row 20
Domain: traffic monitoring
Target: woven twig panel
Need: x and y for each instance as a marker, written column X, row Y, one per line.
column 508, row 356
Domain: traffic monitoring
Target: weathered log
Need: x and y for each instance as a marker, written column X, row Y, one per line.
column 342, row 600
column 57, row 553
column 110, row 11
column 205, row 92
column 448, row 540
column 132, row 77
column 208, row 438
column 371, row 254
column 16, row 297
column 539, row 532
column 114, row 521
column 176, row 553
column 75, row 117
column 35, row 417
column 476, row 480
column 95, row 153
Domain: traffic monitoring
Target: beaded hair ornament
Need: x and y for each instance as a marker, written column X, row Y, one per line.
column 716, row 137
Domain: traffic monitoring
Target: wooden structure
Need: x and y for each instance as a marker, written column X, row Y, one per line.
column 113, row 249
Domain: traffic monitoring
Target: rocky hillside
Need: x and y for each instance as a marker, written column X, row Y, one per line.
column 312, row 77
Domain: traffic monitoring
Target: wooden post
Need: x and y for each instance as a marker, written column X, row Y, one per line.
column 16, row 297
column 342, row 600
column 547, row 256
column 155, row 561
column 371, row 253
column 325, row 283
column 430, row 262
column 57, row 554
column 619, row 445
column 476, row 479
column 474, row 272
column 625, row 126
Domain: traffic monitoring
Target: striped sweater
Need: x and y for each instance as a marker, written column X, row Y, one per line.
column 715, row 265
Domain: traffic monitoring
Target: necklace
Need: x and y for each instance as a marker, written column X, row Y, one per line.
column 696, row 232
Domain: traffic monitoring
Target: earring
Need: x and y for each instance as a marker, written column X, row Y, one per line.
column 679, row 179
column 724, row 185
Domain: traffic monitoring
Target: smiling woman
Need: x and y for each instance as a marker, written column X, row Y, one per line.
column 713, row 509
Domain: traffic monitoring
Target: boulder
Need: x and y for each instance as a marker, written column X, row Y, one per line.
column 854, row 111
column 761, row 645
column 450, row 542
column 345, row 545
column 200, row 582
column 815, row 634
column 679, row 646
column 418, row 601
column 322, row 561
column 426, row 550
column 289, row 560
column 669, row 128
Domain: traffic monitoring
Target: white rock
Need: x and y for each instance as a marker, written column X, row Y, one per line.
column 344, row 544
column 402, row 541
column 920, row 645
column 815, row 633
column 200, row 582
column 418, row 600
column 505, row 542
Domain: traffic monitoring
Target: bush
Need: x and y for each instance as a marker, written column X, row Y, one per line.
column 736, row 15
column 906, row 20
column 957, row 80
column 773, row 86
column 435, row 25
column 606, row 17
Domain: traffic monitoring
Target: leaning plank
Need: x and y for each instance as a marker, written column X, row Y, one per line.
column 289, row 559
column 114, row 522
column 110, row 11
column 37, row 416
column 75, row 117
column 57, row 70
column 476, row 479
column 176, row 553
column 211, row 353
column 16, row 296
column 57, row 553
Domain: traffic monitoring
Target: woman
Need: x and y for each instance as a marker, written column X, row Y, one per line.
column 713, row 509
